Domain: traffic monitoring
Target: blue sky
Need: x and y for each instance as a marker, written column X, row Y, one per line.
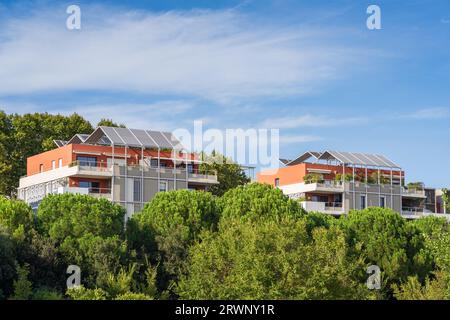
column 309, row 68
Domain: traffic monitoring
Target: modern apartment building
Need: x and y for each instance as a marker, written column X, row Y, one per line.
column 336, row 182
column 126, row 166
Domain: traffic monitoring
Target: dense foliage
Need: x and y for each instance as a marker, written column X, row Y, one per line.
column 229, row 173
column 251, row 243
column 22, row 136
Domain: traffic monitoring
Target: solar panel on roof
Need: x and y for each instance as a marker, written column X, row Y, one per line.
column 360, row 159
column 160, row 140
column 60, row 143
column 173, row 140
column 127, row 137
column 144, row 138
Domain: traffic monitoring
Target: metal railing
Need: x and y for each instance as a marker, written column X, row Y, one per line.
column 416, row 211
column 99, row 190
column 413, row 191
column 330, row 184
column 333, row 206
column 92, row 166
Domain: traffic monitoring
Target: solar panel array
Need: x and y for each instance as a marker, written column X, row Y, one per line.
column 356, row 158
column 135, row 138
column 60, row 143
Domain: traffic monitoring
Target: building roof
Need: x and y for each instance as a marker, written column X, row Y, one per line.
column 303, row 157
column 363, row 159
column 60, row 143
column 134, row 138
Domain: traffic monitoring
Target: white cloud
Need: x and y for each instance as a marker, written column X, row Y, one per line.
column 310, row 121
column 164, row 115
column 288, row 139
column 218, row 55
column 430, row 114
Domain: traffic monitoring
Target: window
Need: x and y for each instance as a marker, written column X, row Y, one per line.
column 41, row 168
column 383, row 202
column 277, row 182
column 60, row 163
column 190, row 168
column 53, row 164
column 154, row 163
column 94, row 187
column 137, row 190
column 162, row 186
column 363, row 202
column 87, row 161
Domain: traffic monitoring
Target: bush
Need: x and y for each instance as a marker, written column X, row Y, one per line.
column 46, row 294
column 81, row 293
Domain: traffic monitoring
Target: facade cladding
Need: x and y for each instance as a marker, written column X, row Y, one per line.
column 337, row 182
column 126, row 166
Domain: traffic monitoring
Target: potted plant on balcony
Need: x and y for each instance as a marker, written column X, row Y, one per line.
column 313, row 178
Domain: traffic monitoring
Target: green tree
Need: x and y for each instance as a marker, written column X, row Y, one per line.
column 257, row 201
column 22, row 286
column 170, row 223
column 22, row 136
column 16, row 216
column 7, row 263
column 271, row 259
column 381, row 237
column 62, row 216
column 229, row 173
column 109, row 123
column 88, row 231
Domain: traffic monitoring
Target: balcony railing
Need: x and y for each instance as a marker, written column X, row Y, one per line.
column 324, row 207
column 413, row 192
column 330, row 184
column 90, row 166
column 99, row 190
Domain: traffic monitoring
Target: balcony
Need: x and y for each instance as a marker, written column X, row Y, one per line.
column 94, row 192
column 91, row 169
column 327, row 186
column 413, row 193
column 416, row 213
column 202, row 176
column 333, row 208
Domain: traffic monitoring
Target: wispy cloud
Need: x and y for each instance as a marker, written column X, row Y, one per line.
column 216, row 55
column 445, row 21
column 310, row 121
column 429, row 114
column 288, row 139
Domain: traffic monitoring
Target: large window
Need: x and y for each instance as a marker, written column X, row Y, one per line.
column 87, row 161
